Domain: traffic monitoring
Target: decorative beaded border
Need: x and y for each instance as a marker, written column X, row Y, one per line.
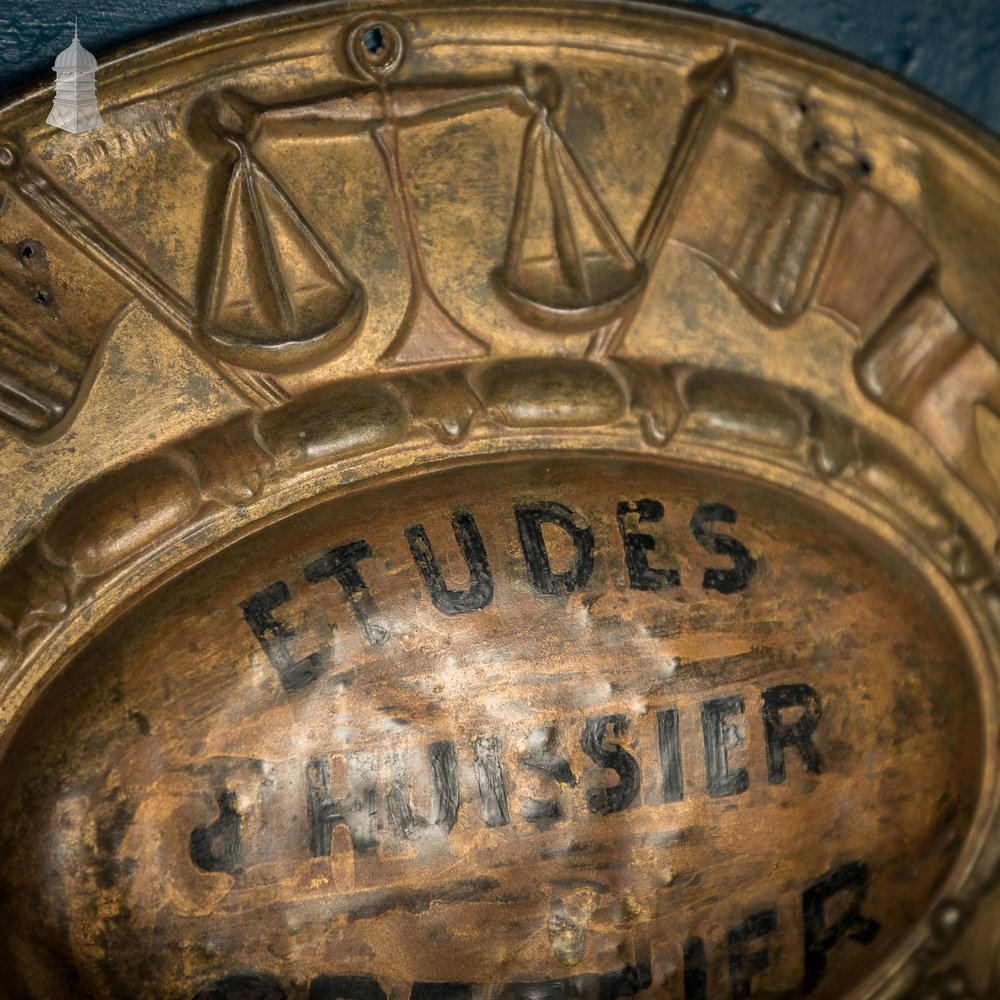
column 121, row 535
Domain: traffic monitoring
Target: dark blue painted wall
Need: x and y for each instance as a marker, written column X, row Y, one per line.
column 952, row 49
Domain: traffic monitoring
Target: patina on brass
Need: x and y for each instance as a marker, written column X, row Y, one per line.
column 499, row 502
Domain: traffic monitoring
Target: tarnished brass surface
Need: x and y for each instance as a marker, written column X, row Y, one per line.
column 499, row 502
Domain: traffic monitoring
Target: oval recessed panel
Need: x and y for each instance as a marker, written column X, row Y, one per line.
column 528, row 728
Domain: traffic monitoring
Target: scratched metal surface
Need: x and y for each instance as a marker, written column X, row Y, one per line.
column 342, row 780
column 949, row 49
column 795, row 355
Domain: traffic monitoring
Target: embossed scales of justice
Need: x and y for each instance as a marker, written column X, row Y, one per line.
column 500, row 501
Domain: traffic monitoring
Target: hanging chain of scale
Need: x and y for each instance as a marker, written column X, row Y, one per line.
column 567, row 266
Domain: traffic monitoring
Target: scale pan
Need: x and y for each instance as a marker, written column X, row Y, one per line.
column 248, row 349
column 537, row 294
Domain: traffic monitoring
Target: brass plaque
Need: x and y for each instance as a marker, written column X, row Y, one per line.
column 575, row 758
column 500, row 503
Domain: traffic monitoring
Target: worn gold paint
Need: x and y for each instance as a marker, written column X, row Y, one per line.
column 329, row 274
column 179, row 705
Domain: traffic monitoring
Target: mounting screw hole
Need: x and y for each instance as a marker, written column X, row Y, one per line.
column 373, row 40
column 376, row 48
column 31, row 254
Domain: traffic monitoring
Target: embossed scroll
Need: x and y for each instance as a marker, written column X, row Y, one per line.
column 500, row 502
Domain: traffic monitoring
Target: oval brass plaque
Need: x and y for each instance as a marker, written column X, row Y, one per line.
column 499, row 503
column 580, row 720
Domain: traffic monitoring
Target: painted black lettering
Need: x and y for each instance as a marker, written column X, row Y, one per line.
column 216, row 847
column 624, row 982
column 479, row 593
column 492, row 790
column 725, row 581
column 608, row 752
column 627, row 981
column 695, row 970
column 797, row 734
column 642, row 576
column 541, row 755
column 536, row 557
column 744, row 964
column 357, row 810
column 551, row 989
column 820, row 937
column 341, row 564
column 441, row 991
column 719, row 737
column 345, row 988
column 541, row 811
column 275, row 637
column 444, row 792
column 668, row 737
column 445, row 798
column 243, row 986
